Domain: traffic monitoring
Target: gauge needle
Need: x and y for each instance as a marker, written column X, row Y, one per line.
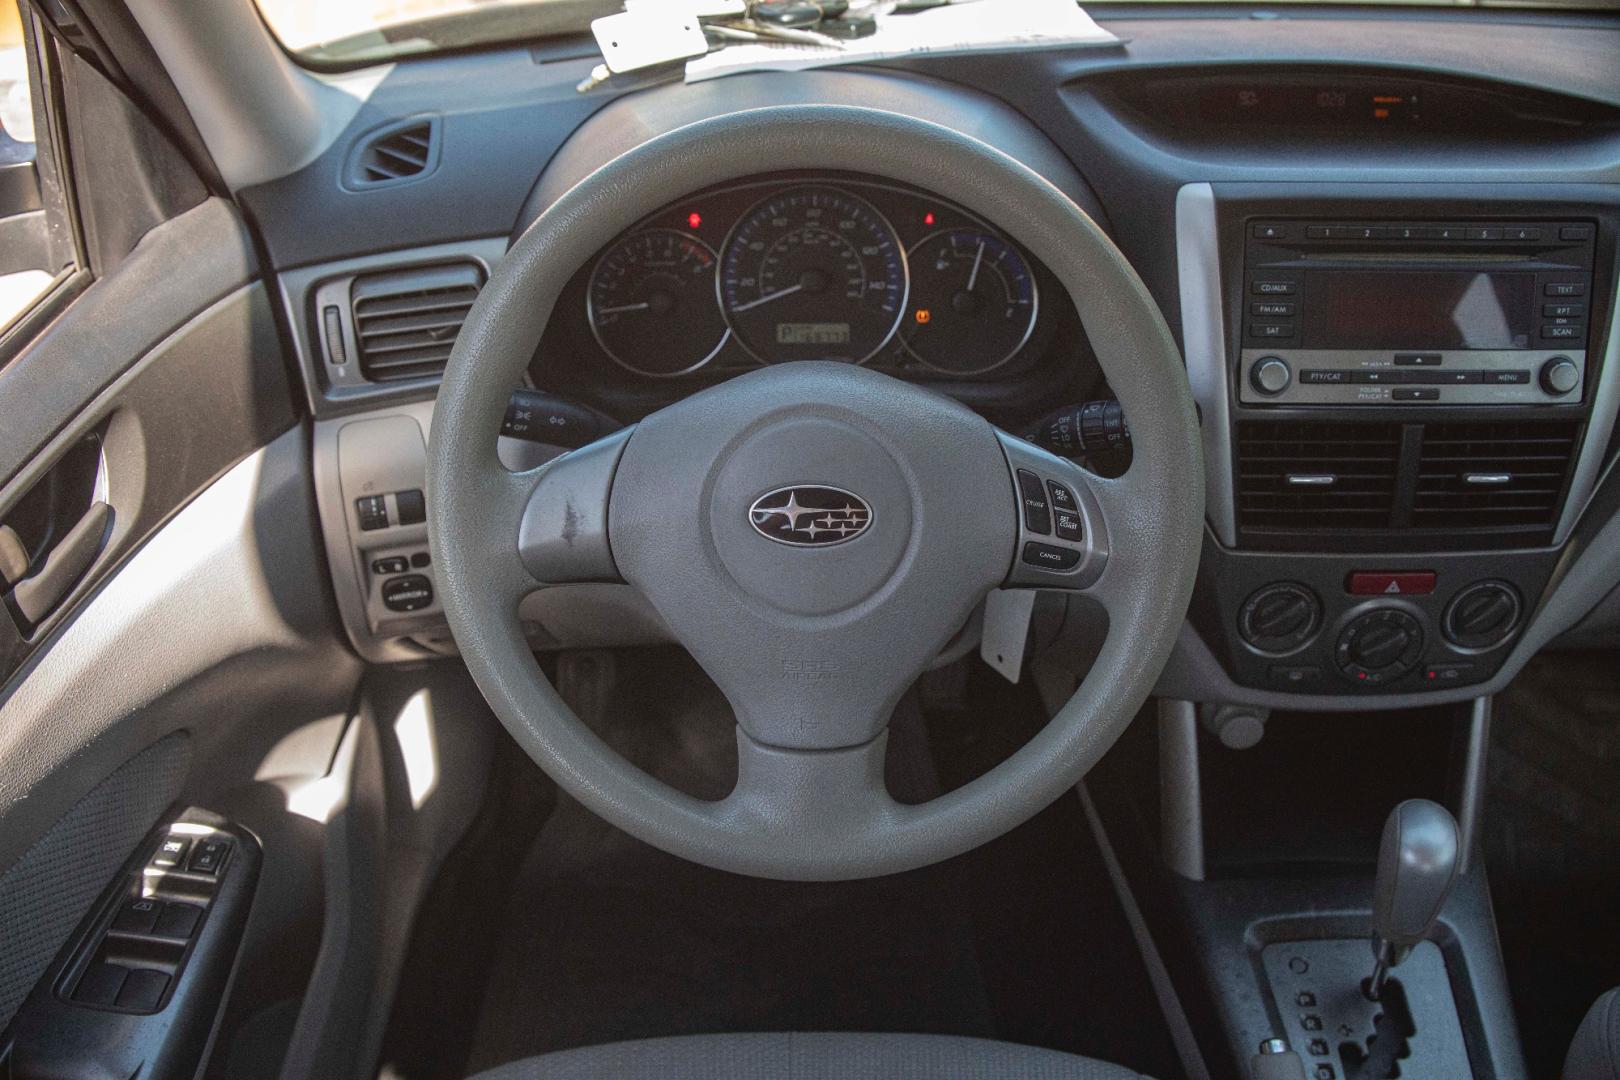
column 643, row 306
column 978, row 257
column 767, row 298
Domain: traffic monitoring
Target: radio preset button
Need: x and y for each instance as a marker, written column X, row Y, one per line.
column 1524, row 234
column 1280, row 288
column 1559, row 376
column 1271, row 232
column 1270, row 375
column 1485, row 234
column 1566, row 288
column 1563, row 332
column 1422, row 359
column 1277, row 309
column 1575, row 232
column 1405, row 393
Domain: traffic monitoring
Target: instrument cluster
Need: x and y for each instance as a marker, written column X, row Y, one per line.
column 819, row 268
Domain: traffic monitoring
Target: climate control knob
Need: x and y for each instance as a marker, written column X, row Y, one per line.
column 1279, row 618
column 1379, row 645
column 1270, row 375
column 1559, row 376
column 1482, row 616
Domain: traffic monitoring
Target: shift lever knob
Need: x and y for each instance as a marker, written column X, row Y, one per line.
column 1417, row 864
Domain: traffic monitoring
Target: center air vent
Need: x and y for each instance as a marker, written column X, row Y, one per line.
column 1310, row 476
column 406, row 321
column 1493, row 474
column 404, row 151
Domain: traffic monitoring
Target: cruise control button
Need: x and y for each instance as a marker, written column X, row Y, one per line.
column 1037, row 511
column 1050, row 556
column 1062, row 497
column 1068, row 525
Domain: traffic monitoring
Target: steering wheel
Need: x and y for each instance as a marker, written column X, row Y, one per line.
column 815, row 533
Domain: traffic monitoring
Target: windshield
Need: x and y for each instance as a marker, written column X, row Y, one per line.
column 328, row 32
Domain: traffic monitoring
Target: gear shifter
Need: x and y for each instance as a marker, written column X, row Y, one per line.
column 1417, row 863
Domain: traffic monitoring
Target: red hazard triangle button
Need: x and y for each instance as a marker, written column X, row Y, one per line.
column 1390, row 583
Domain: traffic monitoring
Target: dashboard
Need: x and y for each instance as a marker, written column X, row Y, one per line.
column 824, row 266
column 1391, row 268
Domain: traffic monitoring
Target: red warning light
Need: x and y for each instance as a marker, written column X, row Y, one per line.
column 928, row 218
column 694, row 220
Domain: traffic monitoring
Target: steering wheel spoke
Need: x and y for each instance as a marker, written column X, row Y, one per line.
column 809, row 796
column 563, row 534
column 1062, row 519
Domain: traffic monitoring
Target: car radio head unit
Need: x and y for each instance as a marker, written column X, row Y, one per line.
column 1368, row 313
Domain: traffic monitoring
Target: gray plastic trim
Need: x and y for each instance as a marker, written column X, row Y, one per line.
column 1203, row 341
column 260, row 114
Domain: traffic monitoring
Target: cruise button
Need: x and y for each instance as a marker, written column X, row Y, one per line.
column 1037, row 511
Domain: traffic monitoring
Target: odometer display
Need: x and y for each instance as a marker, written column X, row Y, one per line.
column 813, row 273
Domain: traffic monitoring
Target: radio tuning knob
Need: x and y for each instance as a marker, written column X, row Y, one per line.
column 1559, row 376
column 1270, row 375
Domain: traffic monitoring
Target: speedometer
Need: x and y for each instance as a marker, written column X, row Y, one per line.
column 813, row 273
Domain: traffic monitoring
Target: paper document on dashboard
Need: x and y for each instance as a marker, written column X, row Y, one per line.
column 967, row 26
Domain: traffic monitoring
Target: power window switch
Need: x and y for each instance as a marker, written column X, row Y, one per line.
column 171, row 853
column 209, row 856
column 142, row 990
column 137, row 916
column 178, row 921
column 100, row 984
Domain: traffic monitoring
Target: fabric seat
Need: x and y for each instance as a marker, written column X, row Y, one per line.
column 1595, row 1052
column 791, row 1056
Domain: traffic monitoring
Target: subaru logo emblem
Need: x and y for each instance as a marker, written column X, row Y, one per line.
column 810, row 515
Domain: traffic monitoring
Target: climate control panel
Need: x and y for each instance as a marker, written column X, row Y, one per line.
column 1351, row 625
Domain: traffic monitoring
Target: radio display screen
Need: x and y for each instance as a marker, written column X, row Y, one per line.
column 1418, row 309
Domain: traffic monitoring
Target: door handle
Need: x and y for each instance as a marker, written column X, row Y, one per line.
column 36, row 596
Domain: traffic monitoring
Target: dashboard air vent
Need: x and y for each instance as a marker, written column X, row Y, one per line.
column 406, row 321
column 402, row 152
column 1493, row 474
column 1309, row 477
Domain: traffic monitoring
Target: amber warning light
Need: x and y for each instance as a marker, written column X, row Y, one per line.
column 923, row 315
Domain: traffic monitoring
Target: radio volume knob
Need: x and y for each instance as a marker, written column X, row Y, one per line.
column 1270, row 375
column 1559, row 376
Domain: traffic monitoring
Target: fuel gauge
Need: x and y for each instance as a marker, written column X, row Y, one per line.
column 973, row 302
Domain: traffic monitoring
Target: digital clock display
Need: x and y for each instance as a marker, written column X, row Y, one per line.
column 1312, row 104
column 812, row 333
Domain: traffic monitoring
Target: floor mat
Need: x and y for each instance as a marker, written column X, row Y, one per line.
column 605, row 938
column 1551, row 826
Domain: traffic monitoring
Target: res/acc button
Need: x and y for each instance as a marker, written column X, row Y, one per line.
column 1390, row 583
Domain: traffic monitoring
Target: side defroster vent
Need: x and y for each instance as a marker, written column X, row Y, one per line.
column 1310, row 477
column 406, row 321
column 404, row 151
column 1490, row 475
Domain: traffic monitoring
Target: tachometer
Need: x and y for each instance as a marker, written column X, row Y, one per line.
column 651, row 303
column 813, row 273
column 972, row 302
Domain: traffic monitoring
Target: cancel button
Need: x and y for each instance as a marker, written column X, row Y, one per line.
column 1050, row 556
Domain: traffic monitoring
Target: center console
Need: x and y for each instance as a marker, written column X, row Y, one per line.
column 1406, row 404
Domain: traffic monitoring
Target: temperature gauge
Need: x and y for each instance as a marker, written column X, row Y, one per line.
column 973, row 302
